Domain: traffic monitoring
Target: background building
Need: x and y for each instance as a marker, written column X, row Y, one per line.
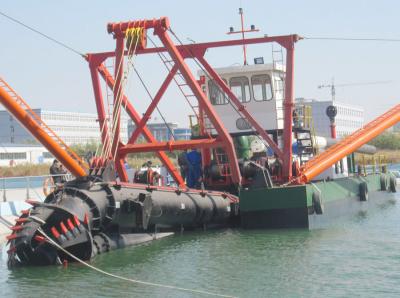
column 72, row 127
column 163, row 132
column 349, row 117
column 13, row 154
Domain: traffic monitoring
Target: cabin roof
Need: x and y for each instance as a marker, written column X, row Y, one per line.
column 235, row 69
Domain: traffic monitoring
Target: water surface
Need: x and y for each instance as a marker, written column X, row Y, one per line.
column 355, row 257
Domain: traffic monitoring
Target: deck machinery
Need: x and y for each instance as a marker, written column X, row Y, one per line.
column 97, row 212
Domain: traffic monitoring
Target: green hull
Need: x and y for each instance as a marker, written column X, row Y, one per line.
column 293, row 206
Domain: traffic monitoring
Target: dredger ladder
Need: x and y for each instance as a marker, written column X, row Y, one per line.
column 348, row 145
column 32, row 122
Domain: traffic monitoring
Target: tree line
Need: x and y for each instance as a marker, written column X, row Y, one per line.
column 389, row 141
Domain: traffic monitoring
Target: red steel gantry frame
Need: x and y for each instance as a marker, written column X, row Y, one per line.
column 178, row 54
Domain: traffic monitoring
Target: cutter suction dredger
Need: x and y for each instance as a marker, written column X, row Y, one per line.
column 88, row 217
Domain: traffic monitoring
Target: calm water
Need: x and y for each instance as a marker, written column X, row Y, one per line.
column 357, row 257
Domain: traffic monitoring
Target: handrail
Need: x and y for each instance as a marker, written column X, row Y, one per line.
column 28, row 184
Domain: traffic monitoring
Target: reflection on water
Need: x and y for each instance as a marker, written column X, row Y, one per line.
column 356, row 257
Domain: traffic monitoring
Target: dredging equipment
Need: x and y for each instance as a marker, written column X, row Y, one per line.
column 96, row 212
column 88, row 217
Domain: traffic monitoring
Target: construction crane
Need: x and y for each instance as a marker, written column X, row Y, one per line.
column 333, row 86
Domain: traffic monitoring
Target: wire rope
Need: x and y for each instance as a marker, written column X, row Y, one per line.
column 64, row 45
column 56, row 245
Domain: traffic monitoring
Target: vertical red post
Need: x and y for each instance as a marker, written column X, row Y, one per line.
column 333, row 129
column 99, row 104
column 288, row 108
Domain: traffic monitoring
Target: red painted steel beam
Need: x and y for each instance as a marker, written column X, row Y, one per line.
column 185, row 50
column 171, row 146
column 118, row 93
column 40, row 134
column 105, row 139
column 240, row 107
column 288, row 105
column 204, row 102
column 135, row 116
column 139, row 128
column 121, row 27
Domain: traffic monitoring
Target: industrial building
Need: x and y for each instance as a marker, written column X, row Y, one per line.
column 14, row 154
column 72, row 127
column 349, row 117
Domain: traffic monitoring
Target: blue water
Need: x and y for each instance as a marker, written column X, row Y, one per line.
column 359, row 257
column 33, row 182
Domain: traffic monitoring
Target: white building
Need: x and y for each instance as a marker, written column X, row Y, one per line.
column 162, row 131
column 72, row 127
column 14, row 154
column 349, row 117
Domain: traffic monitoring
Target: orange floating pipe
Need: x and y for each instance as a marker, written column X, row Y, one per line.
column 36, row 130
column 348, row 145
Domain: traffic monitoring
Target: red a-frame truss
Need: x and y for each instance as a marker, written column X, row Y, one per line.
column 178, row 54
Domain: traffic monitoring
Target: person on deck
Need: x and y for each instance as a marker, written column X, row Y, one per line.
column 183, row 164
column 194, row 171
column 55, row 171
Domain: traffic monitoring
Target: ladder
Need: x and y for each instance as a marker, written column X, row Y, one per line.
column 305, row 146
column 350, row 143
column 18, row 99
column 304, row 129
column 190, row 98
column 182, row 85
column 222, row 162
column 278, row 83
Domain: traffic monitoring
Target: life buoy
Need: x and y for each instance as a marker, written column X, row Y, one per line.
column 363, row 191
column 383, row 181
column 48, row 186
column 317, row 203
column 392, row 184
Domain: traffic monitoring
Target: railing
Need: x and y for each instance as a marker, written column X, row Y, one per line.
column 11, row 188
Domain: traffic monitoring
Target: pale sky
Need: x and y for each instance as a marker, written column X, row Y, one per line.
column 51, row 77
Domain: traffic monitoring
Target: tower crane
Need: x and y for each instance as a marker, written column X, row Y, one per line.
column 333, row 86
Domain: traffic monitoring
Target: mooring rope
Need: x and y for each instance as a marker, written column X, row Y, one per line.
column 55, row 244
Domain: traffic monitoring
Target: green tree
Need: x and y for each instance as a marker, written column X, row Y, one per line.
column 390, row 141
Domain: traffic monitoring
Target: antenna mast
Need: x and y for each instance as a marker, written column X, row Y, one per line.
column 243, row 31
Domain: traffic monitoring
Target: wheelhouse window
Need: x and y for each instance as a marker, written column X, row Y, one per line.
column 217, row 97
column 261, row 85
column 240, row 86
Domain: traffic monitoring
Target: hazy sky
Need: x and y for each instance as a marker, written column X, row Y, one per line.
column 50, row 77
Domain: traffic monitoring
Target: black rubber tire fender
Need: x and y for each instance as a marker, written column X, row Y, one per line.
column 363, row 191
column 392, row 183
column 317, row 203
column 384, row 184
